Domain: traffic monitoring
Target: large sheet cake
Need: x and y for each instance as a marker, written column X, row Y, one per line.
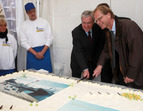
column 32, row 91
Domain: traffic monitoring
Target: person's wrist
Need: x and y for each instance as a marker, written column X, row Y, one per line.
column 99, row 66
column 42, row 52
column 85, row 69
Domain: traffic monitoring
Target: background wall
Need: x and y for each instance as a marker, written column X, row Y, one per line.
column 64, row 16
column 129, row 8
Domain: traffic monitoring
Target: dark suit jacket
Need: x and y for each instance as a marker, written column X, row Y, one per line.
column 129, row 44
column 83, row 54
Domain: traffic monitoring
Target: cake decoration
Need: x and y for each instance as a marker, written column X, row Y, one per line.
column 34, row 103
column 72, row 97
column 72, row 85
column 1, row 106
column 132, row 96
column 11, row 107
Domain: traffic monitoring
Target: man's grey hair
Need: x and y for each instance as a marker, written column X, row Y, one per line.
column 87, row 13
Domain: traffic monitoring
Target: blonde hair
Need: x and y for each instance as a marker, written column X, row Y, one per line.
column 104, row 4
column 2, row 21
column 104, row 10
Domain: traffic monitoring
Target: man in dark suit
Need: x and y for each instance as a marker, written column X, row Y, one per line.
column 88, row 42
column 123, row 46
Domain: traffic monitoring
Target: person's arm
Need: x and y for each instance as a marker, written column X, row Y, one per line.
column 41, row 54
column 78, row 51
column 14, row 46
column 48, row 34
column 97, row 71
column 135, row 45
column 86, row 73
column 103, row 57
column 24, row 43
column 23, row 38
column 35, row 53
column 128, row 80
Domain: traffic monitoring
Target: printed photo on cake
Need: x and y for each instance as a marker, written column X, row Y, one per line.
column 31, row 89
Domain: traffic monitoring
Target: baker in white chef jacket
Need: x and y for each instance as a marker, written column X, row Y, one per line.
column 36, row 38
column 8, row 50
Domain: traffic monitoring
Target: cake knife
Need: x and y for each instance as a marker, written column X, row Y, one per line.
column 81, row 79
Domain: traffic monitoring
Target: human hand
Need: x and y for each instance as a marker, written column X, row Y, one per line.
column 128, row 80
column 86, row 74
column 97, row 71
column 39, row 56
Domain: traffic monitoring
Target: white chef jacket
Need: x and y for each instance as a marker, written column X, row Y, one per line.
column 35, row 33
column 8, row 52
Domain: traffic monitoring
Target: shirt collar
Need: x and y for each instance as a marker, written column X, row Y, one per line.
column 90, row 32
column 113, row 28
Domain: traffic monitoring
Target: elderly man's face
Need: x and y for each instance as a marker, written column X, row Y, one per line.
column 32, row 14
column 87, row 23
column 101, row 19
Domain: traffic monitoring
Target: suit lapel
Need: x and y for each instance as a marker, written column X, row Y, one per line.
column 118, row 29
column 85, row 37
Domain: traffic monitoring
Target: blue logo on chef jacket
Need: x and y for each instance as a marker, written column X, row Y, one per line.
column 39, row 29
column 5, row 44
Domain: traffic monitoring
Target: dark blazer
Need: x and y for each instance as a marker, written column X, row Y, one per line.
column 129, row 44
column 83, row 54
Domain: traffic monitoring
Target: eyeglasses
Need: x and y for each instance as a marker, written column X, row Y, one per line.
column 99, row 19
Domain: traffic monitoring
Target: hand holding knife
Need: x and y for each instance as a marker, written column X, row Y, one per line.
column 85, row 75
column 81, row 79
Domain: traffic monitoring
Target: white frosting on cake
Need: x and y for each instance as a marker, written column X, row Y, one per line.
column 95, row 93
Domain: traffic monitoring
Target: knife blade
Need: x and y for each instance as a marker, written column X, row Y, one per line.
column 81, row 79
column 93, row 78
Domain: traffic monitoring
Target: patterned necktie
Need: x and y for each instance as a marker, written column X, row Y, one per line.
column 90, row 39
column 113, row 49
